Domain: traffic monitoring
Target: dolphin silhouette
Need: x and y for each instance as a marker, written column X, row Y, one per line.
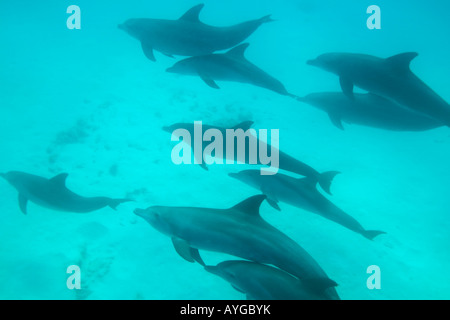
column 262, row 282
column 391, row 78
column 187, row 36
column 369, row 110
column 229, row 66
column 53, row 194
column 286, row 162
column 239, row 231
column 301, row 193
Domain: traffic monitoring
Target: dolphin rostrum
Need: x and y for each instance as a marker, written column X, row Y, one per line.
column 262, row 282
column 238, row 231
column 229, row 66
column 53, row 193
column 301, row 193
column 369, row 110
column 391, row 78
column 187, row 36
column 285, row 161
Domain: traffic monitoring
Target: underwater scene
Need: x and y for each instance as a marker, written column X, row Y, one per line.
column 224, row 150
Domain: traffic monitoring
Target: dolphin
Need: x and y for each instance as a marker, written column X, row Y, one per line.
column 238, row 231
column 369, row 110
column 53, row 194
column 263, row 282
column 187, row 36
column 301, row 193
column 286, row 162
column 229, row 66
column 391, row 78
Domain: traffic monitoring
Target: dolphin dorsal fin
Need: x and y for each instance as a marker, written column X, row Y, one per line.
column 401, row 62
column 239, row 51
column 244, row 125
column 193, row 13
column 250, row 205
column 60, row 179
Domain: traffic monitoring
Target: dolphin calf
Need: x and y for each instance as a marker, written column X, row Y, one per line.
column 285, row 161
column 262, row 282
column 229, row 66
column 187, row 36
column 238, row 231
column 369, row 110
column 53, row 194
column 301, row 193
column 391, row 78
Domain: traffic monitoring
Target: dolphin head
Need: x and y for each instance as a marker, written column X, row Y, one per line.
column 247, row 176
column 172, row 129
column 157, row 217
column 133, row 27
column 232, row 271
column 187, row 67
column 331, row 62
column 13, row 177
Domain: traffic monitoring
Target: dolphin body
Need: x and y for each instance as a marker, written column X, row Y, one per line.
column 263, row 282
column 187, row 36
column 229, row 66
column 369, row 110
column 390, row 78
column 53, row 194
column 286, row 162
column 301, row 193
column 238, row 231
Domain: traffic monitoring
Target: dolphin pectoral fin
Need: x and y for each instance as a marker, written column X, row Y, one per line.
column 401, row 62
column 274, row 204
column 23, row 203
column 188, row 253
column 168, row 55
column 183, row 249
column 192, row 14
column 210, row 82
column 250, row 205
column 318, row 285
column 148, row 50
column 272, row 200
column 196, row 255
column 336, row 120
column 347, row 87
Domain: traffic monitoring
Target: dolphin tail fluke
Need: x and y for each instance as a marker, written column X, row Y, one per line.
column 266, row 19
column 114, row 203
column 293, row 96
column 325, row 180
column 371, row 234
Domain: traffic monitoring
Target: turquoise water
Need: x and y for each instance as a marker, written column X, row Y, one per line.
column 89, row 103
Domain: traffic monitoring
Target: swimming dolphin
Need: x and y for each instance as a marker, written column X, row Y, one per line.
column 390, row 78
column 263, row 282
column 238, row 231
column 53, row 194
column 229, row 66
column 286, row 162
column 301, row 193
column 369, row 110
column 187, row 36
